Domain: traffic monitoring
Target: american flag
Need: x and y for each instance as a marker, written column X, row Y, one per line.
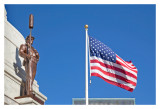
column 107, row 65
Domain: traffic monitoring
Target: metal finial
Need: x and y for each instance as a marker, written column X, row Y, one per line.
column 86, row 26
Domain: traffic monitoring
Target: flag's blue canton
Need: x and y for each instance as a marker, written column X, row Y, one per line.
column 100, row 50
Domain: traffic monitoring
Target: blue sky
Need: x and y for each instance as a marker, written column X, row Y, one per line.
column 129, row 30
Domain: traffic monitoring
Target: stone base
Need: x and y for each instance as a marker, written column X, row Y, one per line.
column 9, row 100
column 29, row 100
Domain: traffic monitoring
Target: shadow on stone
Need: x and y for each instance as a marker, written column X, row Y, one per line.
column 19, row 72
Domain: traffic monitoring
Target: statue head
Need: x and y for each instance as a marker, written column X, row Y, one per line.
column 28, row 41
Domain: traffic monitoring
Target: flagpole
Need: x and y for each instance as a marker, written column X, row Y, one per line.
column 89, row 61
column 86, row 66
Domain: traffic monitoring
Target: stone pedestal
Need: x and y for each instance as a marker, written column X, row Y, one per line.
column 27, row 101
column 14, row 72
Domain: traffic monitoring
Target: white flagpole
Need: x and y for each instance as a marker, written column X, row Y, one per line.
column 86, row 65
column 89, row 61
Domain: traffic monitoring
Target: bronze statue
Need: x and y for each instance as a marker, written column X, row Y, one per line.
column 31, row 58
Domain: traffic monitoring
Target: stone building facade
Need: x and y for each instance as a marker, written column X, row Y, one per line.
column 14, row 72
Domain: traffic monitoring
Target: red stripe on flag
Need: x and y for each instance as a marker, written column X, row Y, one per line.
column 113, row 68
column 114, row 75
column 125, row 64
column 133, row 69
column 112, row 82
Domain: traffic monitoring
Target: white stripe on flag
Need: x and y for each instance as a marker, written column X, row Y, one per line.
column 113, row 72
column 128, row 65
column 113, row 79
column 113, row 64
